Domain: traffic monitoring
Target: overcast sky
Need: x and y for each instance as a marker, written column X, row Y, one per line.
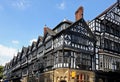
column 22, row 21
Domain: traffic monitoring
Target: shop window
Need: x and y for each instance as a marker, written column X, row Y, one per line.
column 82, row 78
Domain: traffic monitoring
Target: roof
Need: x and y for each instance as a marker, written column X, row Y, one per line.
column 51, row 32
column 107, row 10
column 24, row 49
column 33, row 44
column 40, row 38
column 86, row 26
column 88, row 29
column 29, row 48
column 62, row 22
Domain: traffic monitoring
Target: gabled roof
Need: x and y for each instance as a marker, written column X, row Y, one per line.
column 50, row 32
column 18, row 56
column 85, row 25
column 33, row 45
column 28, row 49
column 24, row 49
column 14, row 59
column 108, row 9
column 62, row 22
column 88, row 29
column 40, row 39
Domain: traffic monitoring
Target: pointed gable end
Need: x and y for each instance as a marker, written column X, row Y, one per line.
column 39, row 41
column 111, row 14
column 48, row 34
column 81, row 27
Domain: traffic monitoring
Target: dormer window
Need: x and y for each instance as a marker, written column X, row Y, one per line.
column 48, row 44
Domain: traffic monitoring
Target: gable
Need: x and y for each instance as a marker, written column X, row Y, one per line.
column 82, row 28
column 33, row 47
column 39, row 41
column 111, row 14
column 79, row 37
column 48, row 34
column 62, row 26
column 47, row 37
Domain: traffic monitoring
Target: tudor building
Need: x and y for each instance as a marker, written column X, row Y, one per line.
column 106, row 28
column 61, row 54
column 71, row 52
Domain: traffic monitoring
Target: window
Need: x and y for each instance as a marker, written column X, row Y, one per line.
column 83, row 78
column 106, row 43
column 60, row 59
column 107, row 29
column 112, row 30
column 59, row 29
column 48, row 44
column 101, row 64
column 117, row 33
column 34, row 54
column 67, row 53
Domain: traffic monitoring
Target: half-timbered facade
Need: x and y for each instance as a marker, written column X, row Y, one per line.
column 24, row 63
column 106, row 28
column 17, row 72
column 71, row 52
column 62, row 53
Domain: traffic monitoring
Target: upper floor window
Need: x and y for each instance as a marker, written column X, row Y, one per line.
column 24, row 60
column 40, row 49
column 48, row 44
column 59, row 29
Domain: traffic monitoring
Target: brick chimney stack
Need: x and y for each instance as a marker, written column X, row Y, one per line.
column 45, row 29
column 79, row 13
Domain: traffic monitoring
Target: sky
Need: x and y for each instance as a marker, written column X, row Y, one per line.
column 22, row 21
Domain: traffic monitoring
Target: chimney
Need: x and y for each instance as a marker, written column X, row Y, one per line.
column 79, row 13
column 45, row 29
